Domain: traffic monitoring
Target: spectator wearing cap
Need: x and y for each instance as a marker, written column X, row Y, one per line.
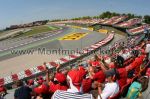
column 56, row 83
column 111, row 88
column 59, row 83
column 74, row 80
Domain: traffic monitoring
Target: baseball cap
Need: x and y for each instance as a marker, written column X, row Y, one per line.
column 60, row 77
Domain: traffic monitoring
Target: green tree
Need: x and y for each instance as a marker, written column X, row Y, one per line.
column 147, row 19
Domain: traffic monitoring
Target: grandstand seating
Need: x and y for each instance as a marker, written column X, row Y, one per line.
column 139, row 29
column 108, row 21
column 114, row 20
column 129, row 23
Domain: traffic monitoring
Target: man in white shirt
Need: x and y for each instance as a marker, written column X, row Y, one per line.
column 111, row 88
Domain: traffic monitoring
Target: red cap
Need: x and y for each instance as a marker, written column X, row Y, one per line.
column 30, row 82
column 76, row 77
column 41, row 89
column 60, row 77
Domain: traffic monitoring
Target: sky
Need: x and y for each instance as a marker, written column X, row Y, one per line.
column 24, row 11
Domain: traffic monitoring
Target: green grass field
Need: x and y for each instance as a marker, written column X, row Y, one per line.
column 39, row 29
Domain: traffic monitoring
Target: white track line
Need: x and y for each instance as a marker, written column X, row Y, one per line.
column 25, row 43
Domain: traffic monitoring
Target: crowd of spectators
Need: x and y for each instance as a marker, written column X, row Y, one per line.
column 101, row 77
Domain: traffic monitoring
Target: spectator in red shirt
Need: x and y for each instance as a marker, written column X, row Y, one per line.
column 121, row 72
column 59, row 83
column 56, row 83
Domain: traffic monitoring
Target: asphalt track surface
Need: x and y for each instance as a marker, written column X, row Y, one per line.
column 51, row 42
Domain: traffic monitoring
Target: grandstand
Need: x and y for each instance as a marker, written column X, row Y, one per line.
column 114, row 20
column 129, row 23
column 139, row 29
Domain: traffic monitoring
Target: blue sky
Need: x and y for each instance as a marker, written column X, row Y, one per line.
column 22, row 11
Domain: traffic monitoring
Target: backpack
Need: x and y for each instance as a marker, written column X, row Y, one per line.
column 134, row 90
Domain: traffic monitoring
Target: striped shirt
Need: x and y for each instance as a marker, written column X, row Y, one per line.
column 68, row 95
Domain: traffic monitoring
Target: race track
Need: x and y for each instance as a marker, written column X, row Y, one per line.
column 17, row 62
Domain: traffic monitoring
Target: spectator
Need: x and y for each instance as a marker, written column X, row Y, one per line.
column 96, row 75
column 111, row 88
column 74, row 80
column 59, row 83
column 56, row 83
column 122, row 72
column 42, row 91
column 22, row 92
